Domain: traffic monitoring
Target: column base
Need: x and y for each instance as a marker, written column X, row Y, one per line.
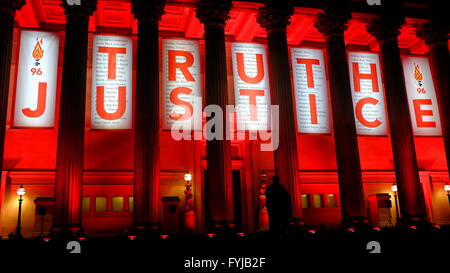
column 297, row 223
column 222, row 228
column 66, row 232
column 145, row 230
column 413, row 222
column 296, row 227
column 354, row 223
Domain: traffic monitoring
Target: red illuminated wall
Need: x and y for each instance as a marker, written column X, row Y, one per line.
column 30, row 154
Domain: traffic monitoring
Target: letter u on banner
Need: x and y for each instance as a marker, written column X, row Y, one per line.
column 36, row 79
column 111, row 82
column 367, row 93
column 251, row 86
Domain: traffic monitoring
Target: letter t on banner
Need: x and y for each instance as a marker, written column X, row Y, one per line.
column 251, row 86
column 311, row 94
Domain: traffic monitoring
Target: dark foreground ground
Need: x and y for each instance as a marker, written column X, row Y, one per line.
column 303, row 251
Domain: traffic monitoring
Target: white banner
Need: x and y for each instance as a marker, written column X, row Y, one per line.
column 182, row 105
column 423, row 104
column 367, row 93
column 251, row 86
column 311, row 93
column 36, row 79
column 112, row 91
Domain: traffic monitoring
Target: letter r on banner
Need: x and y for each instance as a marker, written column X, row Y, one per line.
column 184, row 67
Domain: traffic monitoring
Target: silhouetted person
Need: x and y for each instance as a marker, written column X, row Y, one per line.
column 278, row 204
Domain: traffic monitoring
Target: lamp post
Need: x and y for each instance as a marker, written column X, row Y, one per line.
column 394, row 190
column 263, row 214
column 20, row 193
column 447, row 189
column 188, row 191
column 189, row 213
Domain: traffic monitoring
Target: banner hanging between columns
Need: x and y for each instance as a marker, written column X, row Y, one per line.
column 36, row 79
column 112, row 87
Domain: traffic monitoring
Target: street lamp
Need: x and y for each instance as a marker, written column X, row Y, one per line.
column 188, row 177
column 394, row 190
column 189, row 213
column 20, row 193
column 188, row 191
column 447, row 189
column 263, row 217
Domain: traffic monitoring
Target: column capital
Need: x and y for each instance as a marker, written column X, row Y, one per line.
column 433, row 32
column 333, row 20
column 79, row 7
column 388, row 23
column 11, row 6
column 213, row 12
column 275, row 15
column 151, row 10
column 385, row 27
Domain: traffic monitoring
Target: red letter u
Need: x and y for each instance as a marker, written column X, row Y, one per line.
column 100, row 104
column 259, row 67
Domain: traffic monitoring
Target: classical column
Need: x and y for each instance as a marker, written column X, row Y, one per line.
column 275, row 17
column 332, row 23
column 8, row 10
column 213, row 15
column 435, row 35
column 147, row 200
column 70, row 149
column 385, row 28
